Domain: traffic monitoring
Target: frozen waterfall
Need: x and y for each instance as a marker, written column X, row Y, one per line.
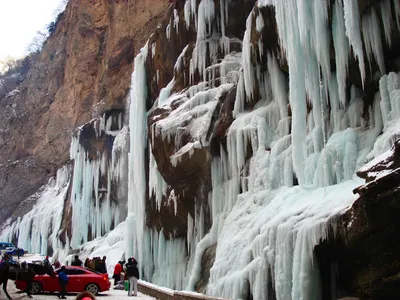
column 282, row 176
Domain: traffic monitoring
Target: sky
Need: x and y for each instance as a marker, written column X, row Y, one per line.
column 19, row 22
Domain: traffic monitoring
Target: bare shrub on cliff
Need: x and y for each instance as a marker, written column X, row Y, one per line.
column 7, row 63
column 37, row 42
column 42, row 35
column 11, row 65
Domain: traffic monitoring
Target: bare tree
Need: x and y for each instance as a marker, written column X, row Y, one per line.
column 7, row 63
column 41, row 36
column 37, row 42
column 60, row 8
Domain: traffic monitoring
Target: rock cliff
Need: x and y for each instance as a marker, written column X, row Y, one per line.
column 361, row 257
column 83, row 71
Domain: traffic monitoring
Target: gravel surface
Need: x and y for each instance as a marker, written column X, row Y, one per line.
column 111, row 294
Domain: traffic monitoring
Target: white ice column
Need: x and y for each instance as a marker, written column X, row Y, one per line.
column 137, row 177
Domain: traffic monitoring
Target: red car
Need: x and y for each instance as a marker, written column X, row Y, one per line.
column 79, row 279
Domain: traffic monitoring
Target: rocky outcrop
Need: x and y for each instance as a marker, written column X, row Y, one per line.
column 207, row 263
column 381, row 166
column 83, row 70
column 362, row 259
column 186, row 171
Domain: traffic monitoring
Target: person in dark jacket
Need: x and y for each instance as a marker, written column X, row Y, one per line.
column 63, row 281
column 87, row 262
column 76, row 262
column 102, row 265
column 132, row 272
column 46, row 261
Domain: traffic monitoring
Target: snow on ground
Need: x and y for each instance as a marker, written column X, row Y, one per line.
column 112, row 245
column 111, row 294
column 30, row 257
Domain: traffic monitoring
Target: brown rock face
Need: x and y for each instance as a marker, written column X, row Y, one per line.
column 190, row 176
column 207, row 262
column 390, row 163
column 83, row 71
column 364, row 259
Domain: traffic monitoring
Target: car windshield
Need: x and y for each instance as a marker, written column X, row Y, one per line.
column 6, row 245
column 91, row 270
column 86, row 269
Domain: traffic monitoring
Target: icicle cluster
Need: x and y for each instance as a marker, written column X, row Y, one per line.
column 210, row 39
column 157, row 185
column 92, row 208
column 263, row 224
column 168, row 259
column 272, row 225
column 37, row 231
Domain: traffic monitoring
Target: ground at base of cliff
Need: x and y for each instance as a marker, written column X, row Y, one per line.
column 111, row 294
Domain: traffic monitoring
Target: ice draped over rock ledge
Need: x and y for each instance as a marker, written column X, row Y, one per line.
column 286, row 168
column 81, row 202
column 245, row 142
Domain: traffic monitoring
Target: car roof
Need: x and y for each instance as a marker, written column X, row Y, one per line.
column 80, row 268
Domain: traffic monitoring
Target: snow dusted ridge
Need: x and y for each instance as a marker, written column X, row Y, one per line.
column 282, row 179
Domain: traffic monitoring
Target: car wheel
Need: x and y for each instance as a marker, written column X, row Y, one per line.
column 35, row 287
column 92, row 288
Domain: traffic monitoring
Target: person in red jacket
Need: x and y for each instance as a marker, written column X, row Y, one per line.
column 118, row 269
column 56, row 264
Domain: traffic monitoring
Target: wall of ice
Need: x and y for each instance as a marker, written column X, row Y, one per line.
column 37, row 230
column 305, row 137
column 96, row 177
column 90, row 196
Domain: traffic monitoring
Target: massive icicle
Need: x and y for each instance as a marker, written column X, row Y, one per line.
column 372, row 39
column 342, row 49
column 352, row 23
column 137, row 177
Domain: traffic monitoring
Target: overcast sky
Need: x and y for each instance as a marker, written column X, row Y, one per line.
column 19, row 22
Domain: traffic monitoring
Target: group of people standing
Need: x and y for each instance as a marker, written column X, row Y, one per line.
column 130, row 272
column 96, row 263
column 7, row 258
column 122, row 271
